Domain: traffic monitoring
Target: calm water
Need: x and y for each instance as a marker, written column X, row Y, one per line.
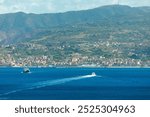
column 75, row 84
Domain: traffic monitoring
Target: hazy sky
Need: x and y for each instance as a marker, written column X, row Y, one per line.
column 51, row 6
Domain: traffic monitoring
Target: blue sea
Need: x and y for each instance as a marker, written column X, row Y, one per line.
column 75, row 84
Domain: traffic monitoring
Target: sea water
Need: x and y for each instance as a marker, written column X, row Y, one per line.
column 75, row 84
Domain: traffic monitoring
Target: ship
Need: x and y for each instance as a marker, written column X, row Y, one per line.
column 26, row 70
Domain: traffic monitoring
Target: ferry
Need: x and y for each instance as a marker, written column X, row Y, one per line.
column 26, row 70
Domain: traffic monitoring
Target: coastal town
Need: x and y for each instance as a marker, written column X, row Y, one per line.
column 118, row 38
column 102, row 54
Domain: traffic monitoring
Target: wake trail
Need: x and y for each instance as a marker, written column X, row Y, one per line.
column 48, row 83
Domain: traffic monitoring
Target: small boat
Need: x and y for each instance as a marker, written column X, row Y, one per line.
column 26, row 70
column 93, row 74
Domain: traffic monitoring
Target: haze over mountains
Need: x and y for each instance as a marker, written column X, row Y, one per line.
column 15, row 27
column 114, row 35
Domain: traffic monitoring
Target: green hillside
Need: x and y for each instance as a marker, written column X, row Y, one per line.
column 105, row 36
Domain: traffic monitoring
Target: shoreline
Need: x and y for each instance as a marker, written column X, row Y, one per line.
column 75, row 67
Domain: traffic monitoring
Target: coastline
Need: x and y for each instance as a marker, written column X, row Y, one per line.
column 113, row 67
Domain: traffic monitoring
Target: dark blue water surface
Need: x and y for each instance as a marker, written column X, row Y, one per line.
column 75, row 84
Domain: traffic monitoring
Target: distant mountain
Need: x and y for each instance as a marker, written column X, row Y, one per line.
column 18, row 27
column 113, row 35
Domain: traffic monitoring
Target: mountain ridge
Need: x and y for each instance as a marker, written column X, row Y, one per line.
column 105, row 6
column 105, row 36
column 14, row 26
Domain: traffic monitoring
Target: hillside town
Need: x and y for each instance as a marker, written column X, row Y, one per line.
column 113, row 57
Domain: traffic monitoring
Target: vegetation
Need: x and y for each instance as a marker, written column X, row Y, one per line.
column 105, row 36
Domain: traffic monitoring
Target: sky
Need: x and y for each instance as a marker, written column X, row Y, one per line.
column 55, row 6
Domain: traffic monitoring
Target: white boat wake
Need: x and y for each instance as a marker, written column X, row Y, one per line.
column 49, row 83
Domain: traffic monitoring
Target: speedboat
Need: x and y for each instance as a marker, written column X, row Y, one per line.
column 93, row 74
column 26, row 70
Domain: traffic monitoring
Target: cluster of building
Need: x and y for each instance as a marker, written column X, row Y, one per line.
column 75, row 60
column 118, row 56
